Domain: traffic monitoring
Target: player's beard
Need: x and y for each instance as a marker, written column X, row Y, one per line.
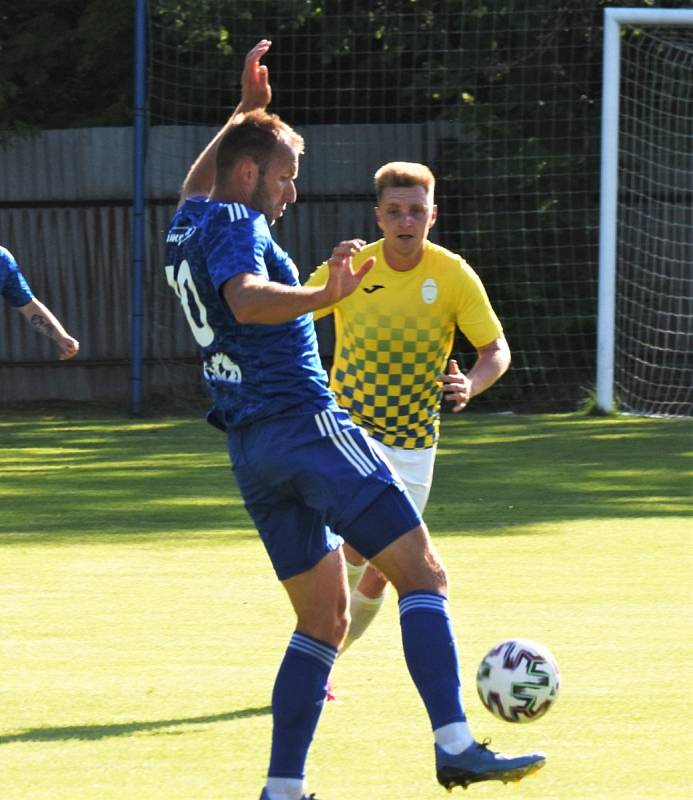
column 261, row 201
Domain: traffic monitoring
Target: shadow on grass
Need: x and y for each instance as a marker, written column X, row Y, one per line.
column 500, row 473
column 68, row 732
column 83, row 479
column 169, row 479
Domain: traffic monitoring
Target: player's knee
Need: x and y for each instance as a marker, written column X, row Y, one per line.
column 334, row 629
column 439, row 576
column 425, row 573
column 433, row 566
column 373, row 582
column 352, row 556
column 431, row 575
column 327, row 627
column 340, row 619
column 341, row 627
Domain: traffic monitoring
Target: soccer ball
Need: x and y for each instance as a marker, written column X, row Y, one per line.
column 518, row 680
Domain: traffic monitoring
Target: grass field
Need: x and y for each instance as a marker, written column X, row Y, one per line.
column 141, row 626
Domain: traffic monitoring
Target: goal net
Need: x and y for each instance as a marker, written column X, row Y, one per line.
column 653, row 309
column 501, row 100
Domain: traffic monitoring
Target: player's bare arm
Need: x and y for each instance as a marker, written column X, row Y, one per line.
column 254, row 300
column 45, row 322
column 256, row 93
column 492, row 362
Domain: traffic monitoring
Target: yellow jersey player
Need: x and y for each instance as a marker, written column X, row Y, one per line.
column 393, row 337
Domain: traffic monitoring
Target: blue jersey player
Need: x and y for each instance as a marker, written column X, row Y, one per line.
column 16, row 292
column 307, row 474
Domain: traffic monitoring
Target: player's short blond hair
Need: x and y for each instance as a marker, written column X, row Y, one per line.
column 404, row 173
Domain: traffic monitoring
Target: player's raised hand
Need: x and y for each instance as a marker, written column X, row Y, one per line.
column 256, row 91
column 342, row 280
column 457, row 388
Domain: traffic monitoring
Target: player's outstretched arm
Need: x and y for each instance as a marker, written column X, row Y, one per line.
column 42, row 319
column 492, row 361
column 256, row 92
column 254, row 300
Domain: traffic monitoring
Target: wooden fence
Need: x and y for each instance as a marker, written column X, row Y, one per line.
column 66, row 214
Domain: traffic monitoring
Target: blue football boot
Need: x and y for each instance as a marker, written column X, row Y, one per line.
column 478, row 763
column 264, row 796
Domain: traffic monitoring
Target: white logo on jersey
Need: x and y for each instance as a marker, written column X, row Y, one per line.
column 429, row 291
column 179, row 235
column 220, row 367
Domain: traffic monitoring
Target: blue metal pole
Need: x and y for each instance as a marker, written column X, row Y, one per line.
column 138, row 218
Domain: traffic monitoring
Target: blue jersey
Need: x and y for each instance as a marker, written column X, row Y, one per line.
column 13, row 285
column 253, row 371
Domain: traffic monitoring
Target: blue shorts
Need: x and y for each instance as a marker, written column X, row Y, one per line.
column 305, row 476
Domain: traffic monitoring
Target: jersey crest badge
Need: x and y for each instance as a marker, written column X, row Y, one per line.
column 429, row 291
column 219, row 367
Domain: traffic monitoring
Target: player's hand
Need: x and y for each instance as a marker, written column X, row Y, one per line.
column 342, row 280
column 69, row 347
column 255, row 89
column 457, row 388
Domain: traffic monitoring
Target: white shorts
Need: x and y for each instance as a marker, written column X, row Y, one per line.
column 414, row 467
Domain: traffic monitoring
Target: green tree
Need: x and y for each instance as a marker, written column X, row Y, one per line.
column 65, row 63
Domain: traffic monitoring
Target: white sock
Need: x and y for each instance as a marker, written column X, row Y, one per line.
column 454, row 737
column 354, row 573
column 284, row 788
column 363, row 610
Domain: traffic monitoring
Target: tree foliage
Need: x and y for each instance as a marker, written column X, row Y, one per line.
column 65, row 64
column 68, row 63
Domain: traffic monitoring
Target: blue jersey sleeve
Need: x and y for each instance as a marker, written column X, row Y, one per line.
column 13, row 285
column 236, row 242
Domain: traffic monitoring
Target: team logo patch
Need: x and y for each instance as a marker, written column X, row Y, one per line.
column 219, row 367
column 429, row 291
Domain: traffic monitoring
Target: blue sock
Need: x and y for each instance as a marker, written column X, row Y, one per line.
column 297, row 701
column 431, row 655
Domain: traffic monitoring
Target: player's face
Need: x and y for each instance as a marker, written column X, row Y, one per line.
column 405, row 215
column 275, row 187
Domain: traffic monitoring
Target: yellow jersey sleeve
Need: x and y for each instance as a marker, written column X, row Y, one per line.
column 475, row 316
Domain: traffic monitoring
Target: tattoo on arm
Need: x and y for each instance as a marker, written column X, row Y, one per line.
column 42, row 325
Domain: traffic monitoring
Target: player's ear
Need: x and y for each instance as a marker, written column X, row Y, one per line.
column 434, row 216
column 377, row 217
column 245, row 173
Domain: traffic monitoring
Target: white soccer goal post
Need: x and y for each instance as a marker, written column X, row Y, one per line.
column 645, row 309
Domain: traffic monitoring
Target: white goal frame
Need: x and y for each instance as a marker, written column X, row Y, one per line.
column 614, row 18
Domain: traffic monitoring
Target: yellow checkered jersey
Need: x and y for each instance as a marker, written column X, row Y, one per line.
column 393, row 336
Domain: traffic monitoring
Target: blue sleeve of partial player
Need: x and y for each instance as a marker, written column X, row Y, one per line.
column 13, row 285
column 235, row 246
